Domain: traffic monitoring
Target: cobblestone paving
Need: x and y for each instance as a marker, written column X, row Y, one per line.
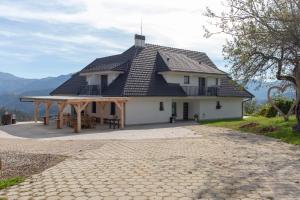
column 221, row 164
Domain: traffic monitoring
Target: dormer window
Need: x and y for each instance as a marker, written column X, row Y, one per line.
column 186, row 79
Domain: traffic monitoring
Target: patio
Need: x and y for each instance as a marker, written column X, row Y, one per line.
column 219, row 164
column 78, row 119
column 32, row 130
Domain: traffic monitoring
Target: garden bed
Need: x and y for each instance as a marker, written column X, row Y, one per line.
column 17, row 166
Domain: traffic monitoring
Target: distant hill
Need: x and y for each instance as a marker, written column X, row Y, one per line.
column 260, row 90
column 12, row 87
column 11, row 84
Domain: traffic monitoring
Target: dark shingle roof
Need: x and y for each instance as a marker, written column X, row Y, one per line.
column 118, row 62
column 71, row 86
column 140, row 67
column 230, row 88
column 182, row 63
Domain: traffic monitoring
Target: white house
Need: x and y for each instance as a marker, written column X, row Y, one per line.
column 160, row 82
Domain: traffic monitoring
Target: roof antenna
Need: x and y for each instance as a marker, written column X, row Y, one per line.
column 141, row 26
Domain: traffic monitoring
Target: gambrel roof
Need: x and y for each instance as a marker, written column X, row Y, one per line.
column 140, row 67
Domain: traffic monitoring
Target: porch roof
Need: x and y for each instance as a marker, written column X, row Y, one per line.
column 72, row 99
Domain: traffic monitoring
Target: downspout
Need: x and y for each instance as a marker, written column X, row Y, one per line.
column 249, row 99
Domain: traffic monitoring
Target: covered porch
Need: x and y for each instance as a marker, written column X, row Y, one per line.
column 77, row 116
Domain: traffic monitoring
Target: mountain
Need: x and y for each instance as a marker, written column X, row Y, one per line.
column 15, row 85
column 12, row 87
column 260, row 90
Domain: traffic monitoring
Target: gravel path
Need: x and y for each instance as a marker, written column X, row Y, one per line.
column 218, row 164
column 24, row 164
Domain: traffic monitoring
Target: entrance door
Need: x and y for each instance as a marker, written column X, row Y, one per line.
column 202, row 86
column 185, row 111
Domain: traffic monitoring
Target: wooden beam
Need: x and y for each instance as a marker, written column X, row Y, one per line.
column 47, row 108
column 36, row 111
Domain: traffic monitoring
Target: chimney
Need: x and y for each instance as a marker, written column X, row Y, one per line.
column 139, row 40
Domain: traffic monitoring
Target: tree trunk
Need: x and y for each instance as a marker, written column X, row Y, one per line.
column 297, row 112
column 297, row 108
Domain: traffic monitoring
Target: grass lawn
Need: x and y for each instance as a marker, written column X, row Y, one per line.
column 281, row 129
column 4, row 183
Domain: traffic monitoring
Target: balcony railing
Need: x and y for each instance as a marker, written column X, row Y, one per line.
column 90, row 90
column 200, row 91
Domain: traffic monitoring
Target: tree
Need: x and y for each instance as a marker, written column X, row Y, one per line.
column 264, row 40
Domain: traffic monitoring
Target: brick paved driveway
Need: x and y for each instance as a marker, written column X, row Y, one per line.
column 219, row 164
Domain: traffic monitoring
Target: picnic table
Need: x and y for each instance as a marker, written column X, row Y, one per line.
column 113, row 122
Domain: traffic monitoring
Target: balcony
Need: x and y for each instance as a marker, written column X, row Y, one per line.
column 200, row 91
column 90, row 90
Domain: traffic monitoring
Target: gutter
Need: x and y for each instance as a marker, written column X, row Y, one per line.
column 248, row 99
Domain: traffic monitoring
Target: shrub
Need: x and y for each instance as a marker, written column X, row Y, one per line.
column 250, row 107
column 284, row 104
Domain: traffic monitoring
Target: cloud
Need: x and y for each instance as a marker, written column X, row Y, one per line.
column 76, row 31
column 170, row 22
column 80, row 40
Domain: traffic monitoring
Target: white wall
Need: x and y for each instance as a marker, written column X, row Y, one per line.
column 95, row 78
column 144, row 110
column 171, row 77
column 231, row 108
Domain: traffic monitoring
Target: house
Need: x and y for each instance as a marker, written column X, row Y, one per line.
column 160, row 82
column 146, row 84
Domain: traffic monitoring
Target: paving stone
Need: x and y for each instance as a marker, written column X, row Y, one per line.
column 219, row 164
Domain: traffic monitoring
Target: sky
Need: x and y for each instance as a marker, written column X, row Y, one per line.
column 40, row 38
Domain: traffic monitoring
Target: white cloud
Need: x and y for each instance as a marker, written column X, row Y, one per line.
column 80, row 39
column 169, row 22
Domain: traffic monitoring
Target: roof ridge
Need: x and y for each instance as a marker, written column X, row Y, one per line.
column 175, row 48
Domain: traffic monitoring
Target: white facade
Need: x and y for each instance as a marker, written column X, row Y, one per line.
column 178, row 77
column 144, row 110
column 94, row 78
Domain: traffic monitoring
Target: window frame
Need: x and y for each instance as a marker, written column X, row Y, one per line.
column 174, row 109
column 186, row 79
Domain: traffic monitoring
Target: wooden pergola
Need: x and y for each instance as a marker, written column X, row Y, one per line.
column 78, row 102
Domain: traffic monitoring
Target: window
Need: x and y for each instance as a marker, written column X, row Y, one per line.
column 94, row 107
column 217, row 81
column 174, row 109
column 218, row 106
column 161, row 106
column 112, row 108
column 186, row 80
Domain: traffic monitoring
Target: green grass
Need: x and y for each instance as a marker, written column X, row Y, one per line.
column 4, row 183
column 283, row 130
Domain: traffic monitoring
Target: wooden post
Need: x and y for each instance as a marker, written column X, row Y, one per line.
column 79, row 107
column 120, row 105
column 36, row 111
column 102, row 110
column 122, row 115
column 61, row 107
column 47, row 108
